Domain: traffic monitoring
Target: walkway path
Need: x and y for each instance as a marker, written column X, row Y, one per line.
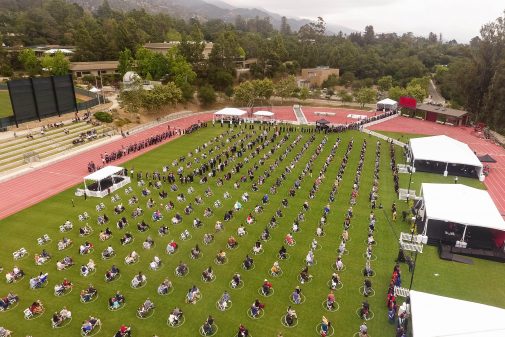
column 299, row 114
column 31, row 188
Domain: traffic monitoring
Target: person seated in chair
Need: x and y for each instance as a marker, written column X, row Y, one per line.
column 250, row 219
column 228, row 215
column 208, row 328
column 248, row 262
column 88, row 294
column 163, row 230
column 367, row 287
column 257, row 248
column 237, row 206
column 367, row 272
column 320, row 230
column 182, row 269
column 224, row 301
column 195, row 252
column 364, row 310
column 148, row 243
column 232, row 242
column 155, row 264
column 304, row 275
column 289, row 239
column 142, row 226
column 175, row 316
column 256, row 308
column 208, row 238
column 197, row 223
column 276, row 268
column 85, row 248
column 221, row 257
column 291, row 316
column 176, row 219
column 89, row 325
column 309, row 259
column 208, row 274
column 145, row 308
column 164, row 287
column 283, row 253
column 193, row 295
column 265, row 235
column 138, row 280
column 241, row 231
column 108, row 252
column 235, row 280
column 131, row 258
column 124, row 331
column 116, row 301
column 171, row 247
column 266, row 288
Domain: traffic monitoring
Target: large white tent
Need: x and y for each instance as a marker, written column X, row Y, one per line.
column 387, row 104
column 439, row 316
column 105, row 180
column 445, row 150
column 230, row 112
column 460, row 204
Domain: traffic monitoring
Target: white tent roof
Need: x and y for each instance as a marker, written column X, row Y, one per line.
column 387, row 101
column 439, row 316
column 443, row 149
column 263, row 113
column 94, row 90
column 230, row 112
column 54, row 51
column 103, row 173
column 461, row 204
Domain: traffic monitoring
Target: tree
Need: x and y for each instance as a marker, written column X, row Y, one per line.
column 160, row 96
column 206, row 95
column 304, row 93
column 56, row 65
column 345, row 97
column 330, row 82
column 385, row 83
column 396, row 92
column 244, row 94
column 180, row 70
column 416, row 91
column 126, row 62
column 369, row 35
column 365, row 96
column 29, row 61
column 286, row 87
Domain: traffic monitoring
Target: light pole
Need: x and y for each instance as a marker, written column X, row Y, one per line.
column 410, row 181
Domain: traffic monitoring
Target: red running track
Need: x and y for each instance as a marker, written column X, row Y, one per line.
column 26, row 190
column 495, row 181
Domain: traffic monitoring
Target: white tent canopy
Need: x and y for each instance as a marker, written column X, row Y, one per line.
column 104, row 173
column 439, row 316
column 445, row 150
column 460, row 204
column 387, row 103
column 230, row 112
column 95, row 90
column 263, row 113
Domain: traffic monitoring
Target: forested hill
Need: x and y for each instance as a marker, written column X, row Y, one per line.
column 470, row 76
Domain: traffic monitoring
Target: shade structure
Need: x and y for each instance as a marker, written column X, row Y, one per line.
column 264, row 113
column 439, row 316
column 230, row 112
column 442, row 149
column 103, row 173
column 487, row 159
column 387, row 104
column 95, row 90
column 322, row 122
column 461, row 204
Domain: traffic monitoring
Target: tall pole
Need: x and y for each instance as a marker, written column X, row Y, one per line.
column 413, row 271
column 410, row 181
column 97, row 94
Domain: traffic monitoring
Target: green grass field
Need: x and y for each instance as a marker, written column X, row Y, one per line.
column 5, row 104
column 22, row 229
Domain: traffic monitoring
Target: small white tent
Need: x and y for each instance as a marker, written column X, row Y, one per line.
column 445, row 150
column 230, row 112
column 439, row 316
column 387, row 104
column 263, row 113
column 460, row 204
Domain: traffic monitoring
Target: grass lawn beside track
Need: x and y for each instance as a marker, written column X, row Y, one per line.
column 5, row 104
column 22, row 229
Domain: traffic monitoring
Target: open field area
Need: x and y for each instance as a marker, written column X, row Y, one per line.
column 23, row 228
column 5, row 104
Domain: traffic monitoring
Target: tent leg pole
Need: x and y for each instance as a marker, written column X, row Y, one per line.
column 464, row 234
column 413, row 271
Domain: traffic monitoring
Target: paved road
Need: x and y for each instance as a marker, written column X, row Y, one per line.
column 435, row 95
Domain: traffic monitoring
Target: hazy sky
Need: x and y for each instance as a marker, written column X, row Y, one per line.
column 455, row 19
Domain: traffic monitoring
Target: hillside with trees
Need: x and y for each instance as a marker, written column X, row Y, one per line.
column 470, row 76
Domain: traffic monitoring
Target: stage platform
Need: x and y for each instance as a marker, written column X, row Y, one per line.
column 452, row 253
